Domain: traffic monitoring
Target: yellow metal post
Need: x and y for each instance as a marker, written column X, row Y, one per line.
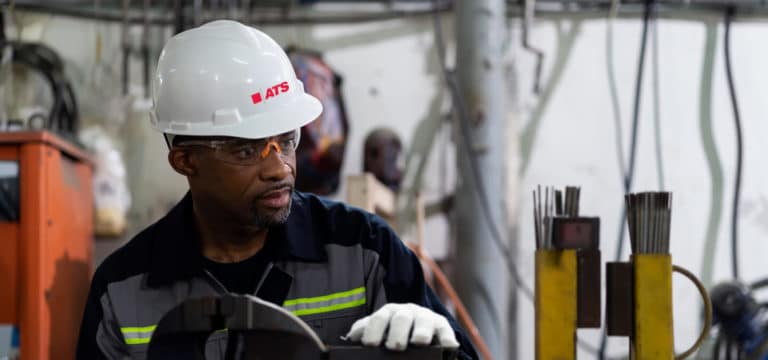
column 556, row 304
column 653, row 337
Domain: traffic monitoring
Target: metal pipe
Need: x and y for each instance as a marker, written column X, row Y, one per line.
column 484, row 281
column 697, row 11
column 126, row 47
column 171, row 19
column 145, row 49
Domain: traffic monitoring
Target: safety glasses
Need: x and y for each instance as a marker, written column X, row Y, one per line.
column 249, row 151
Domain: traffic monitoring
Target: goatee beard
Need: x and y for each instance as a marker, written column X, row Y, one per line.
column 278, row 217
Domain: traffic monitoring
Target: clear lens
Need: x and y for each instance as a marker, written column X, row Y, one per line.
column 249, row 152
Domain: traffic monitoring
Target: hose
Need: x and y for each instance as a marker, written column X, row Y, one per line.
column 430, row 266
column 710, row 153
column 739, row 145
column 461, row 311
column 714, row 165
column 64, row 114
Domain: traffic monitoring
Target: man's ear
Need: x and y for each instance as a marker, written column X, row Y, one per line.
column 182, row 161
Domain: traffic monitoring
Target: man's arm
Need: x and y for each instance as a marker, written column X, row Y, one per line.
column 98, row 336
column 398, row 278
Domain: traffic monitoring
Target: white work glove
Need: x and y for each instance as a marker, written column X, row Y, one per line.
column 401, row 318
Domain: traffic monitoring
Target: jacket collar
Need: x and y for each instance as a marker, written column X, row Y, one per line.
column 177, row 254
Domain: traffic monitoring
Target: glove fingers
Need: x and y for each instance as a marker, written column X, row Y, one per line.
column 402, row 319
column 377, row 324
column 356, row 331
column 445, row 335
column 399, row 329
column 423, row 328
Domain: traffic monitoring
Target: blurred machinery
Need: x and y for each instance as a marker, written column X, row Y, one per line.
column 265, row 330
column 567, row 287
column 741, row 322
column 46, row 226
column 34, row 63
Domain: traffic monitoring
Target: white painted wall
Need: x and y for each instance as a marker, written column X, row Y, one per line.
column 391, row 79
column 575, row 145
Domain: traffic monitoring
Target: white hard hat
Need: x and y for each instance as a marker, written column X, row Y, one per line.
column 227, row 79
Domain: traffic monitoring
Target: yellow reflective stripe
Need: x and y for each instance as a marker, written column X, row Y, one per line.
column 325, row 297
column 138, row 335
column 138, row 329
column 137, row 341
column 325, row 309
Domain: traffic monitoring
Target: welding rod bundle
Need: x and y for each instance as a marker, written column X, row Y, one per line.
column 639, row 292
column 648, row 216
column 567, row 285
column 544, row 214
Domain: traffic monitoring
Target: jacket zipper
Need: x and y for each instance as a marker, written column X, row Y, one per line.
column 263, row 277
column 216, row 283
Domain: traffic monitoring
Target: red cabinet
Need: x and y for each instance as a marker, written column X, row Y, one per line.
column 46, row 241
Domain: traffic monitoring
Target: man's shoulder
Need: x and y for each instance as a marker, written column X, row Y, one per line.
column 338, row 214
column 342, row 224
column 158, row 244
column 129, row 260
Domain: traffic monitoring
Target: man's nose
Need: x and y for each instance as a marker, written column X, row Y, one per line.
column 273, row 165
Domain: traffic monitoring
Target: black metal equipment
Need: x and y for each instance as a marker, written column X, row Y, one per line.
column 64, row 115
column 741, row 320
column 256, row 329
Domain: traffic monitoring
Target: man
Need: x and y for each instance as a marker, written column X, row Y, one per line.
column 230, row 106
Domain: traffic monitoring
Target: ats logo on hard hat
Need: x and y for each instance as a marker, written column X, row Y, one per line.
column 273, row 91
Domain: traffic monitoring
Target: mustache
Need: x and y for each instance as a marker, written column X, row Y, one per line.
column 283, row 185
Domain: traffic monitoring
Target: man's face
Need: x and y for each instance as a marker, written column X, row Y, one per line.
column 243, row 182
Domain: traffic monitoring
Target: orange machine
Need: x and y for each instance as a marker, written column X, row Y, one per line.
column 46, row 225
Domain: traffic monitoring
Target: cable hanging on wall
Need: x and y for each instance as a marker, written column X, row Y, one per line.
column 739, row 145
column 630, row 171
column 611, row 72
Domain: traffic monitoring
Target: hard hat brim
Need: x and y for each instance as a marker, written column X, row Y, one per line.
column 302, row 111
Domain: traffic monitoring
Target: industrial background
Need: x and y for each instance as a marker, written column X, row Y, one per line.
column 489, row 99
